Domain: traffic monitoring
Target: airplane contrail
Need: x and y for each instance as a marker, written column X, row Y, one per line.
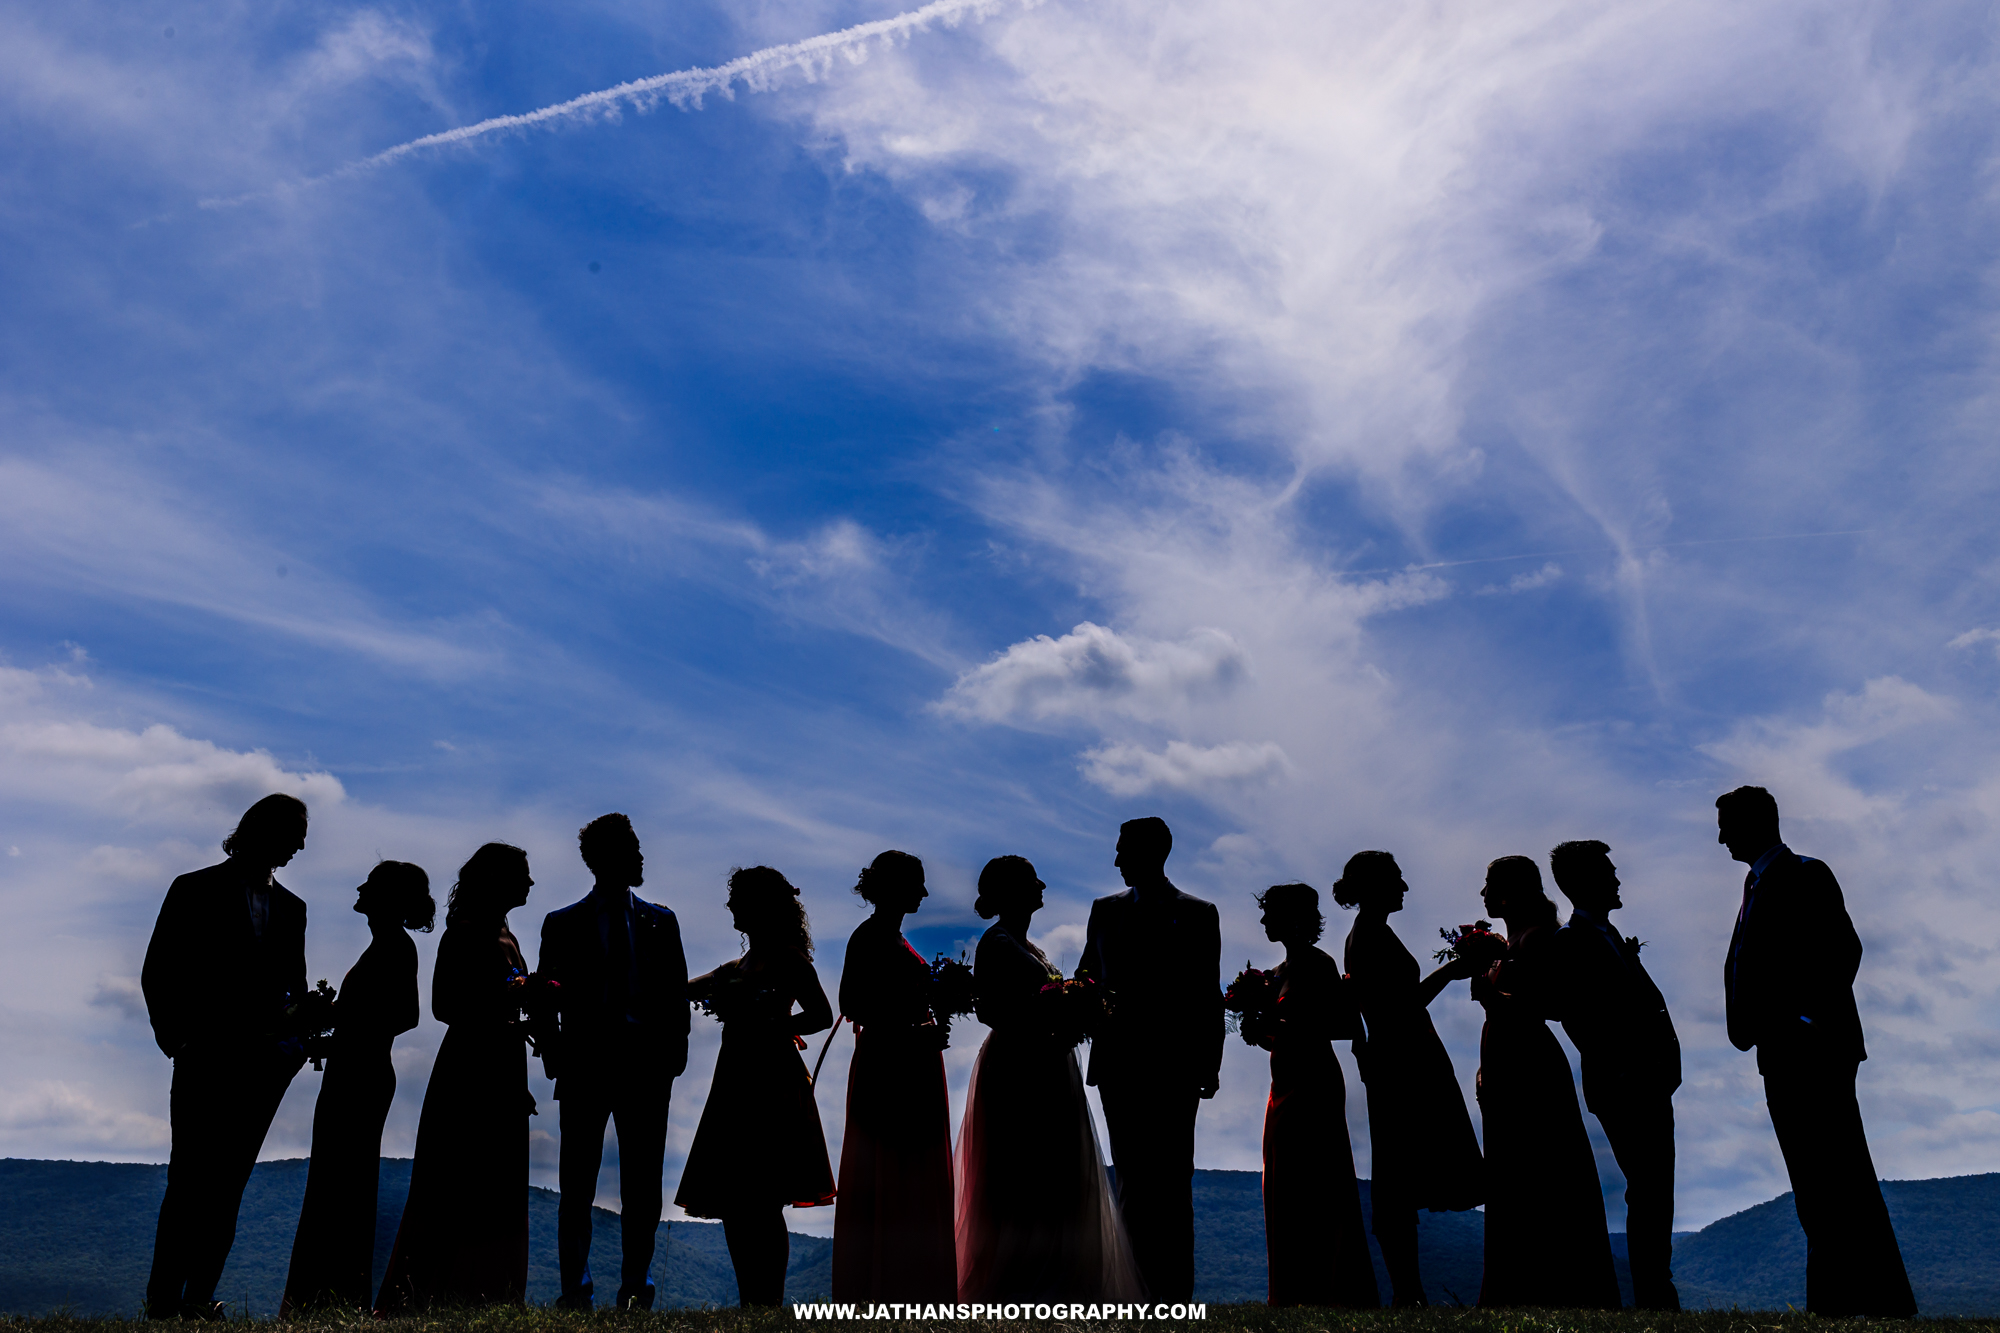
column 757, row 72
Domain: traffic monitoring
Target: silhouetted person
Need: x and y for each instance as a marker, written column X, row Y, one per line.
column 1313, row 1233
column 333, row 1252
column 1422, row 1150
column 1546, row 1241
column 759, row 1148
column 1789, row 983
column 892, row 1234
column 1036, row 1217
column 622, row 993
column 1158, row 952
column 464, row 1235
column 1630, row 1057
column 227, row 956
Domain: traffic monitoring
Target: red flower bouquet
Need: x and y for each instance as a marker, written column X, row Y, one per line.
column 1249, row 1001
column 1074, row 1009
column 1476, row 942
column 309, row 1021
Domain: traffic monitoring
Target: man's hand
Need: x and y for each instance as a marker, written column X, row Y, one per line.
column 1209, row 1089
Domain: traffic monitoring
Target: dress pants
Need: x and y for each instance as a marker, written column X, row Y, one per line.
column 637, row 1104
column 1641, row 1131
column 1853, row 1265
column 1151, row 1127
column 221, row 1106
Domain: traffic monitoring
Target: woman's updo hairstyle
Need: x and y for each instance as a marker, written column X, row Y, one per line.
column 1363, row 871
column 1002, row 879
column 888, row 873
column 409, row 888
column 478, row 888
column 773, row 903
column 1299, row 900
column 1521, row 882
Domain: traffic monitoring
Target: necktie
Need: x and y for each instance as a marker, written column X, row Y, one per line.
column 620, row 960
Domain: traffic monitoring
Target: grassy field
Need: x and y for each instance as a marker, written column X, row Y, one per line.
column 1221, row 1319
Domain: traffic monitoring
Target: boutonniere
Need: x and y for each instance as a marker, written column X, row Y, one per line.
column 1634, row 943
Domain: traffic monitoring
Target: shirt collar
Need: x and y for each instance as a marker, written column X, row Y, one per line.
column 1763, row 862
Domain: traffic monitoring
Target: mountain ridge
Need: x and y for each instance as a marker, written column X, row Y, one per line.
column 79, row 1235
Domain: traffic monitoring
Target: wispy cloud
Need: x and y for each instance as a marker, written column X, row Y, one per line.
column 812, row 59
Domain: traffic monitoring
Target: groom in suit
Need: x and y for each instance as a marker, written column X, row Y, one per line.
column 1158, row 954
column 1789, row 987
column 228, row 955
column 1631, row 1058
column 622, row 980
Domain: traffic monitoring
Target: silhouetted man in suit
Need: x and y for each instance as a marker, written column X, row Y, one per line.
column 622, row 981
column 1631, row 1058
column 1159, row 954
column 228, row 955
column 1789, row 982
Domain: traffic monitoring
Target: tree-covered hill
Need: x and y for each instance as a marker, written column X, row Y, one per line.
column 80, row 1235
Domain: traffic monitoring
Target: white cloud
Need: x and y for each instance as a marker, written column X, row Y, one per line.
column 89, row 525
column 1972, row 638
column 1541, row 578
column 1796, row 758
column 152, row 774
column 1132, row 770
column 40, row 1111
column 1093, row 672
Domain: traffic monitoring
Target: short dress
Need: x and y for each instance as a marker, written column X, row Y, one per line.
column 759, row 1145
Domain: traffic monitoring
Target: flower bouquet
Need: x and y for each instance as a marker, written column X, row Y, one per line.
column 1477, row 943
column 728, row 994
column 951, row 993
column 1249, row 1000
column 1073, row 1010
column 309, row 1021
column 538, row 1001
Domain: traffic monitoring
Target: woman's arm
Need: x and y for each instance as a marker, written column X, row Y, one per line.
column 815, row 1014
column 1432, row 986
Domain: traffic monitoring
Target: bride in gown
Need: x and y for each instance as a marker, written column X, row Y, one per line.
column 1036, row 1218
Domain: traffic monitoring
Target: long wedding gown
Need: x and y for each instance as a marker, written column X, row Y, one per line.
column 1036, row 1217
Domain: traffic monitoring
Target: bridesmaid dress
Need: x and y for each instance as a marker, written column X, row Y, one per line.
column 464, row 1235
column 1546, row 1240
column 892, row 1233
column 1422, row 1151
column 759, row 1144
column 333, row 1253
column 1313, row 1232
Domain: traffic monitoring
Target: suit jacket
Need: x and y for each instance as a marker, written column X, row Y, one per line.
column 210, row 983
column 1616, row 1017
column 1163, row 970
column 1789, row 977
column 594, row 1031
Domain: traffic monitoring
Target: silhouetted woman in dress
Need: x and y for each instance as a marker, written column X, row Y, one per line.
column 892, row 1234
column 1036, row 1220
column 1313, row 1232
column 1422, row 1150
column 1546, row 1241
column 333, row 1253
column 759, row 1147
column 464, row 1235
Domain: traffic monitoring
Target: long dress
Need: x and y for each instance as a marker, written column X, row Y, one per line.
column 759, row 1145
column 333, row 1252
column 1036, row 1217
column 1422, row 1151
column 464, row 1234
column 1546, row 1240
column 892, row 1233
column 1313, row 1232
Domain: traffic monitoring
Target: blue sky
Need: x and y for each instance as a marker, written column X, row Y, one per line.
column 1335, row 426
